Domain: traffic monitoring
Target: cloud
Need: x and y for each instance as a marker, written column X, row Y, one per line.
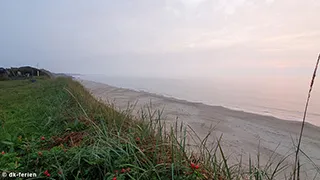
column 200, row 32
column 270, row 1
column 307, row 41
column 192, row 3
column 294, row 36
column 230, row 7
column 176, row 12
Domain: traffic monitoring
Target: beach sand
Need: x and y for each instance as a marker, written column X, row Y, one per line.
column 243, row 133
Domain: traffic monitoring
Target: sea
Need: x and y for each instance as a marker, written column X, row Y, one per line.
column 281, row 97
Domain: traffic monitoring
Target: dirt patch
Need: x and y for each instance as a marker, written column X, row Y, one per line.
column 70, row 139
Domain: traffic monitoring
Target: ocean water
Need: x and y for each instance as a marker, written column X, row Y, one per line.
column 282, row 97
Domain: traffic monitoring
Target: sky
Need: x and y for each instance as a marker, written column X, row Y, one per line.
column 162, row 38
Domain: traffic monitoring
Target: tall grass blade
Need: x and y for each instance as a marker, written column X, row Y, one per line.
column 228, row 173
column 305, row 114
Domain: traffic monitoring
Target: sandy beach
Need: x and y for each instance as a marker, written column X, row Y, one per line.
column 241, row 131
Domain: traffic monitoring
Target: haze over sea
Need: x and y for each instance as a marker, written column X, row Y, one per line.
column 281, row 97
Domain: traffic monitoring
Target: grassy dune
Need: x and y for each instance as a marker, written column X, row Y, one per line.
column 55, row 128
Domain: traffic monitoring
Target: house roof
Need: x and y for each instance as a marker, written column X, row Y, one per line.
column 3, row 70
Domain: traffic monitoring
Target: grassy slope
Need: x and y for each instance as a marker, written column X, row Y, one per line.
column 31, row 109
column 88, row 140
column 83, row 138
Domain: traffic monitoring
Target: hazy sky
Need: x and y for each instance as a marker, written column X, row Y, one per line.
column 162, row 38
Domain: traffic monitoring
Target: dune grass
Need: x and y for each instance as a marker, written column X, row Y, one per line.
column 54, row 125
column 55, row 128
column 296, row 174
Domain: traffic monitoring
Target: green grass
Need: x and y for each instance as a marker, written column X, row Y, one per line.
column 85, row 139
column 32, row 109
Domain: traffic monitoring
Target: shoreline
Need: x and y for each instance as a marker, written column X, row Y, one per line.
column 187, row 102
column 180, row 100
column 244, row 133
column 280, row 109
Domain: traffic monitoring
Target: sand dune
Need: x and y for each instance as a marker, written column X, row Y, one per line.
column 241, row 131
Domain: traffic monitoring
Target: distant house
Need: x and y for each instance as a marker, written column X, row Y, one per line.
column 3, row 73
column 23, row 72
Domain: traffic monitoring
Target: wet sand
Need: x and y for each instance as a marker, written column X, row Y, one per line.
column 242, row 132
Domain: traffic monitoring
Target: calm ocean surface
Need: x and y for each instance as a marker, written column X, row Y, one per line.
column 280, row 97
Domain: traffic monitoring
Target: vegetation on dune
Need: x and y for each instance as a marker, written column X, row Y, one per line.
column 55, row 128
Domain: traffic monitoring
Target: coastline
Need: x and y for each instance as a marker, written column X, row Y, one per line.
column 214, row 92
column 243, row 132
column 181, row 100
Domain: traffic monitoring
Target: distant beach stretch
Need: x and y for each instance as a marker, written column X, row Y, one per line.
column 242, row 132
column 280, row 97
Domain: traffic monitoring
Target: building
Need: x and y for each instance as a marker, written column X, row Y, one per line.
column 4, row 74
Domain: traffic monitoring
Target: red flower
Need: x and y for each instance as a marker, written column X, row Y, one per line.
column 59, row 172
column 43, row 138
column 3, row 153
column 123, row 170
column 137, row 139
column 40, row 153
column 46, row 172
column 192, row 165
column 114, row 178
